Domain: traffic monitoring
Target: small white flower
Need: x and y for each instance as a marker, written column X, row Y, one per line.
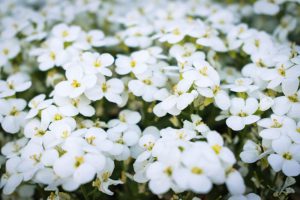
column 53, row 55
column 93, row 38
column 289, row 103
column 110, row 89
column 242, row 85
column 275, row 126
column 74, row 106
column 12, row 179
column 18, row 82
column 96, row 63
column 66, row 33
column 13, row 148
column 286, row 157
column 81, row 167
column 12, row 110
column 266, row 7
column 9, row 49
column 76, row 84
column 216, row 142
column 235, row 183
column 242, row 113
column 251, row 152
column 136, row 63
column 37, row 104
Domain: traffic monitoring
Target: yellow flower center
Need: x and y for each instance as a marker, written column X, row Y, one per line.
column 5, row 51
column 97, row 63
column 203, row 71
column 168, row 171
column 176, row 31
column 147, row 82
column 287, row 156
column 14, row 111
column 149, row 146
column 89, row 39
column 65, row 33
column 75, row 84
column 104, row 87
column 57, row 117
column 78, row 161
column 39, row 132
column 52, row 55
column 276, row 124
column 90, row 139
column 243, row 114
column 293, row 98
column 65, row 134
column 197, row 170
column 217, row 148
column 133, row 63
column 281, row 71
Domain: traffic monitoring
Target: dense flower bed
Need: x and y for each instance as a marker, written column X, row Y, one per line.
column 132, row 99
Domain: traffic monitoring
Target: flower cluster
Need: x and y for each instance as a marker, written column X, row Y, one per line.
column 185, row 97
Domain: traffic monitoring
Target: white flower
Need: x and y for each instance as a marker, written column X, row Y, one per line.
column 93, row 38
column 12, row 179
column 251, row 152
column 136, row 63
column 216, row 142
column 76, row 84
column 242, row 113
column 147, row 141
column 14, row 116
column 110, row 89
column 74, row 106
column 96, row 63
column 235, row 182
column 209, row 38
column 266, row 7
column 147, row 84
column 53, row 55
column 35, row 129
column 294, row 131
column 174, row 33
column 66, row 33
column 18, row 82
column 103, row 180
column 81, row 167
column 9, row 48
column 265, row 102
column 37, row 104
column 242, row 85
column 13, row 148
column 289, row 103
column 178, row 101
column 160, row 175
column 203, row 74
column 284, row 71
column 275, row 126
column 197, row 124
column 138, row 36
column 97, row 138
column 177, row 134
column 286, row 157
column 201, row 169
column 126, row 118
column 258, row 42
column 186, row 54
column 53, row 114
